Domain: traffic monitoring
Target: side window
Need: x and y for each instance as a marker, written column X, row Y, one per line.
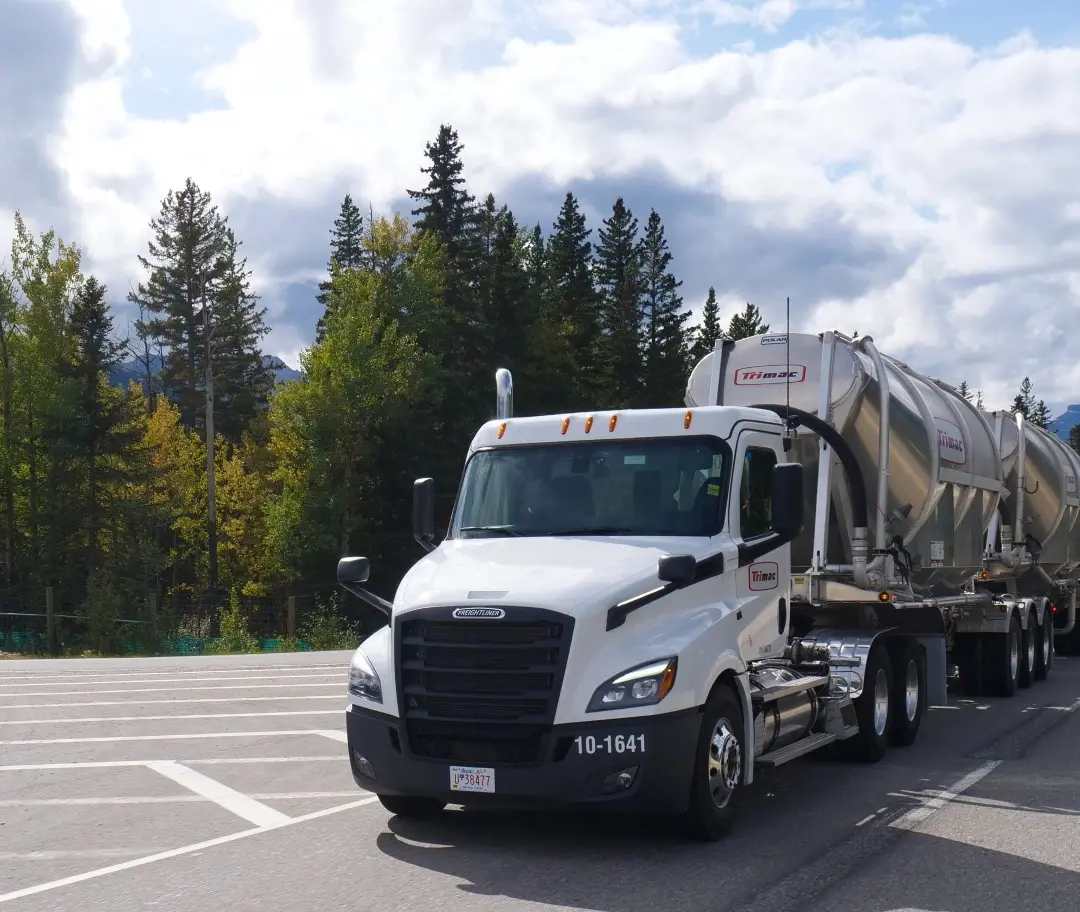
column 755, row 493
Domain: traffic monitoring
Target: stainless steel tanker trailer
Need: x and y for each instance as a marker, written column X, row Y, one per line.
column 974, row 513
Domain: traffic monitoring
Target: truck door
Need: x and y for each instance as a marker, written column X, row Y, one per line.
column 761, row 582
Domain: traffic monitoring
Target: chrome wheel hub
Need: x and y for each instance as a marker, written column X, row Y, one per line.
column 725, row 763
column 911, row 691
column 1046, row 643
column 1014, row 655
column 881, row 702
column 1031, row 646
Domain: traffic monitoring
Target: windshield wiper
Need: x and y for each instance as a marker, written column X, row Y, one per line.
column 593, row 530
column 501, row 530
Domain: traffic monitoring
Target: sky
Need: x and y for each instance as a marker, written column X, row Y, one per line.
column 907, row 170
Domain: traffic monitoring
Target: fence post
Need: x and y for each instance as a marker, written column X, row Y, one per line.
column 290, row 617
column 151, row 607
column 50, row 621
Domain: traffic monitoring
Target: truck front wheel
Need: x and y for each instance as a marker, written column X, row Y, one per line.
column 411, row 807
column 716, row 787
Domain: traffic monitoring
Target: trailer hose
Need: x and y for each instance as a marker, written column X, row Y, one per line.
column 830, row 435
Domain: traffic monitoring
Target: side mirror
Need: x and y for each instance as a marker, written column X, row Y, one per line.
column 787, row 500
column 353, row 570
column 677, row 568
column 423, row 512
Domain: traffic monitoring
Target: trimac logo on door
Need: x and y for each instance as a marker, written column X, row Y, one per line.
column 764, row 575
column 769, row 373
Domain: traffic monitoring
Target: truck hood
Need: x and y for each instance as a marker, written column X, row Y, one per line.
column 556, row 573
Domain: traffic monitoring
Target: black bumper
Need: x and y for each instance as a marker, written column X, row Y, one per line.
column 567, row 774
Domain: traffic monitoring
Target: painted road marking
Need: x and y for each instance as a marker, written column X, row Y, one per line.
column 275, row 699
column 340, row 674
column 119, row 764
column 167, row 799
column 193, row 736
column 173, row 717
column 140, row 690
column 931, row 806
column 174, row 853
column 334, row 735
column 243, row 806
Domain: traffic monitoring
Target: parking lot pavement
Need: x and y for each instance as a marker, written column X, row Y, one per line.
column 201, row 806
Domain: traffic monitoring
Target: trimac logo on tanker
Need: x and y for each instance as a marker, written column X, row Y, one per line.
column 769, row 373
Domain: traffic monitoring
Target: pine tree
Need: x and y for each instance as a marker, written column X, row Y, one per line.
column 964, row 390
column 1024, row 401
column 1040, row 415
column 573, row 303
column 346, row 252
column 666, row 342
column 709, row 332
column 621, row 285
column 979, row 400
column 746, row 324
column 195, row 277
column 509, row 308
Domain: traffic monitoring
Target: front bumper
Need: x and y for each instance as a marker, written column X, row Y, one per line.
column 580, row 764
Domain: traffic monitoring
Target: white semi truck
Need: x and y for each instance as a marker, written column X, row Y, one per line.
column 638, row 609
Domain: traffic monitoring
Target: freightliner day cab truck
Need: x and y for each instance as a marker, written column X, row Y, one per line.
column 639, row 609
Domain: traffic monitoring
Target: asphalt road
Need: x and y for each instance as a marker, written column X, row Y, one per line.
column 222, row 783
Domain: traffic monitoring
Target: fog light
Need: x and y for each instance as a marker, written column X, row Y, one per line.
column 620, row 780
column 363, row 765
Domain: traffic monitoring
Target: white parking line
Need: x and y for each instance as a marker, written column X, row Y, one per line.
column 276, row 677
column 234, row 699
column 235, row 669
column 142, row 690
column 174, row 853
column 118, row 764
column 917, row 815
column 173, row 717
column 194, row 736
column 245, row 807
column 165, row 799
column 334, row 735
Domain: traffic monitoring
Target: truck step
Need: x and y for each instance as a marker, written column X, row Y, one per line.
column 798, row 749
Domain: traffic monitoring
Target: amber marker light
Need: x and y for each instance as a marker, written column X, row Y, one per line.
column 687, row 418
column 566, row 424
column 666, row 682
column 588, row 424
column 611, row 424
column 502, row 430
column 884, row 597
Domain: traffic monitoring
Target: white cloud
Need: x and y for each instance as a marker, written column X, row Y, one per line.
column 333, row 91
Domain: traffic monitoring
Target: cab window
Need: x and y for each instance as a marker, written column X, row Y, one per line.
column 755, row 494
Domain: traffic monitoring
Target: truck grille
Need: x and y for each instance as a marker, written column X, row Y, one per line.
column 481, row 691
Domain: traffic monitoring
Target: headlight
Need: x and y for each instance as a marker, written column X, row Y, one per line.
column 644, row 685
column 363, row 679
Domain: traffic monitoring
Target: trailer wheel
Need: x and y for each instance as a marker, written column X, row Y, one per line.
column 1005, row 656
column 411, row 807
column 717, row 783
column 1044, row 646
column 873, row 710
column 908, row 693
column 1028, row 654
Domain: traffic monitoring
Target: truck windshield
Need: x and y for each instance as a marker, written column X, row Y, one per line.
column 625, row 487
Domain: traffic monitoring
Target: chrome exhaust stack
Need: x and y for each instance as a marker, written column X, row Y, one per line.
column 504, row 394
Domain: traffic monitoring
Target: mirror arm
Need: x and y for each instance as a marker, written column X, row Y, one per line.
column 426, row 543
column 370, row 597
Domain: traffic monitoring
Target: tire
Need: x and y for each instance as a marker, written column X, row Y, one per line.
column 412, row 807
column 873, row 710
column 908, row 695
column 1044, row 646
column 716, row 786
column 1003, row 653
column 968, row 649
column 1028, row 654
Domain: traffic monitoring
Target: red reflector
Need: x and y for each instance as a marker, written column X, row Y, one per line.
column 1054, row 607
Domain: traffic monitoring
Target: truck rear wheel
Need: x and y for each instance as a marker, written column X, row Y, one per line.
column 411, row 807
column 1028, row 653
column 1044, row 646
column 717, row 783
column 1003, row 653
column 908, row 693
column 873, row 710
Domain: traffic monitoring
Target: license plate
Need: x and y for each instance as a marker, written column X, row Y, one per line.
column 472, row 779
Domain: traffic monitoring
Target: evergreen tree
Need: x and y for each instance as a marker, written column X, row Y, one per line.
column 1024, row 401
column 709, row 332
column 621, row 285
column 346, row 252
column 509, row 310
column 196, row 281
column 964, row 390
column 1040, row 415
column 746, row 324
column 666, row 343
column 573, row 306
column 979, row 399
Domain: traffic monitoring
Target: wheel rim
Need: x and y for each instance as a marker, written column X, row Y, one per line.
column 911, row 690
column 881, row 702
column 725, row 763
column 1014, row 654
column 1031, row 645
column 1045, row 646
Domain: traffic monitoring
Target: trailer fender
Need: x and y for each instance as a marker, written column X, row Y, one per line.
column 847, row 644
